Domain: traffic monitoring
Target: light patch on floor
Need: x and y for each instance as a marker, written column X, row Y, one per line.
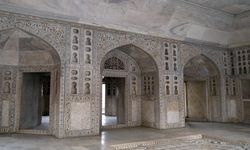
column 44, row 124
column 109, row 120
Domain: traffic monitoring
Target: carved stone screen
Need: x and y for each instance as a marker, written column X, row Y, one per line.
column 114, row 64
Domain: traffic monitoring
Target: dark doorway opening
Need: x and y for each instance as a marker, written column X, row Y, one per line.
column 113, row 101
column 35, row 101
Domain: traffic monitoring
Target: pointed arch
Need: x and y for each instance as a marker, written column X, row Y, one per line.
column 37, row 42
column 144, row 59
column 141, row 86
column 202, row 89
column 200, row 66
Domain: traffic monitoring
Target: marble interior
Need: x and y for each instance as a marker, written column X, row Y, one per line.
column 163, row 63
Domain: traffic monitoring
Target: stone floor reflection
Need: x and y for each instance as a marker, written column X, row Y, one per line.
column 108, row 138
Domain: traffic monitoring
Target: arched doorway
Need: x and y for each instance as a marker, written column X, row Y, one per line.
column 130, row 78
column 202, row 90
column 31, row 69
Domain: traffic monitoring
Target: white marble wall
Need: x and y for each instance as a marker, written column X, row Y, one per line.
column 78, row 113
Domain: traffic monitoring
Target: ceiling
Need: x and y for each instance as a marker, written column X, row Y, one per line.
column 234, row 7
column 185, row 20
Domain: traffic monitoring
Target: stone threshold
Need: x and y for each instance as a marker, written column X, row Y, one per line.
column 30, row 131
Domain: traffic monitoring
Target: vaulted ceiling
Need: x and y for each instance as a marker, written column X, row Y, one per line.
column 234, row 7
column 223, row 22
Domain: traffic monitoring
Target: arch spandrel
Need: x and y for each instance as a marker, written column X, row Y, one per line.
column 51, row 33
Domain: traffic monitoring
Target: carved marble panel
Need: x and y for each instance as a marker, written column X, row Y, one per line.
column 167, row 55
column 148, row 84
column 213, row 86
column 88, row 46
column 168, row 85
column 175, row 85
column 148, row 114
column 226, row 60
column 231, row 87
column 7, row 82
column 133, row 86
column 5, row 113
column 246, row 112
column 243, row 61
column 135, row 111
column 80, row 116
column 173, row 112
column 87, row 82
column 232, row 106
column 75, row 45
column 74, row 81
column 175, row 56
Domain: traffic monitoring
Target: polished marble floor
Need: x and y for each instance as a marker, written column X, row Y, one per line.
column 234, row 132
